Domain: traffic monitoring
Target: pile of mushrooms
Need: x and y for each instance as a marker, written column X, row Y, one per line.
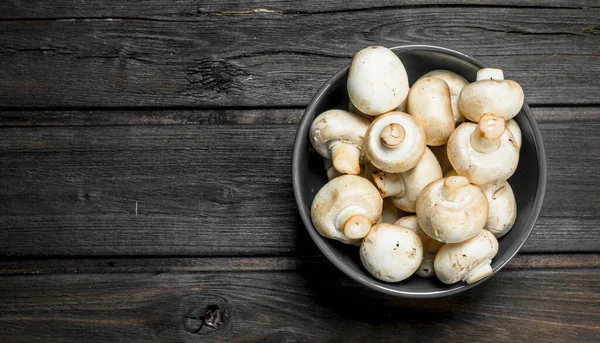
column 418, row 175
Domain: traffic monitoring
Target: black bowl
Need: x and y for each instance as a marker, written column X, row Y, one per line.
column 528, row 182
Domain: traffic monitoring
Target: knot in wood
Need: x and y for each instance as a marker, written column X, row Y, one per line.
column 213, row 317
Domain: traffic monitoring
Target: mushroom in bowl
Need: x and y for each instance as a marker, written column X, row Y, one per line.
column 527, row 182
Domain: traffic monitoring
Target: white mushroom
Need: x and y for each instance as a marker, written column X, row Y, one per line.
column 491, row 94
column 404, row 188
column 430, row 249
column 467, row 261
column 503, row 208
column 441, row 154
column 346, row 208
column 390, row 213
column 339, row 135
column 514, row 128
column 455, row 84
column 330, row 170
column 429, row 101
column 412, row 223
column 377, row 81
column 451, row 172
column 391, row 253
column 485, row 152
column 452, row 210
column 394, row 142
column 353, row 109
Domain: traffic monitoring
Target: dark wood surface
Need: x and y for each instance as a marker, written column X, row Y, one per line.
column 145, row 168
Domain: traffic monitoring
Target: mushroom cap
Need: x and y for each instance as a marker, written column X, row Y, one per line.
column 391, row 253
column 466, row 261
column 341, row 198
column 515, row 130
column 429, row 100
column 430, row 249
column 503, row 208
column 479, row 167
column 415, row 180
column 337, row 125
column 503, row 97
column 452, row 210
column 398, row 155
column 377, row 81
column 353, row 109
column 412, row 223
column 455, row 82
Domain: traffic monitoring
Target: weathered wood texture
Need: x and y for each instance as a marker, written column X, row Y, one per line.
column 113, row 265
column 280, row 58
column 310, row 303
column 47, row 9
column 222, row 189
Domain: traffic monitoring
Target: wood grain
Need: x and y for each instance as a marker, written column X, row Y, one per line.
column 46, row 9
column 223, row 116
column 112, row 265
column 207, row 190
column 279, row 59
column 314, row 304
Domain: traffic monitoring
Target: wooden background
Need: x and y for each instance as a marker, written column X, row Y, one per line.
column 145, row 167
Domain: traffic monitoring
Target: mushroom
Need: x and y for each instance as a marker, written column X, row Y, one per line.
column 491, row 94
column 452, row 210
column 441, row 153
column 515, row 130
column 394, row 142
column 346, row 208
column 451, row 172
column 391, row 253
column 377, row 81
column 503, row 208
column 412, row 223
column 403, row 105
column 485, row 152
column 430, row 249
column 330, row 170
column 339, row 135
column 353, row 109
column 429, row 101
column 390, row 213
column 467, row 261
column 404, row 188
column 455, row 84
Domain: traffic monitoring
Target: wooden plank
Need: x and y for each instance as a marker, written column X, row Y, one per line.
column 45, row 9
column 207, row 190
column 273, row 59
column 219, row 116
column 307, row 305
column 242, row 264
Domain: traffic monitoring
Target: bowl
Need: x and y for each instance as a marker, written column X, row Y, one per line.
column 308, row 173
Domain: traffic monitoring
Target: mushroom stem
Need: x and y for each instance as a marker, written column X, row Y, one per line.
column 478, row 273
column 392, row 135
column 455, row 188
column 353, row 222
column 490, row 74
column 357, row 227
column 486, row 136
column 389, row 184
column 345, row 157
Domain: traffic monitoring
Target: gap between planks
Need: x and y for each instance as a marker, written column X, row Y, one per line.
column 245, row 264
column 219, row 116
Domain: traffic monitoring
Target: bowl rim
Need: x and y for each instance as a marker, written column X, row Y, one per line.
column 302, row 133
